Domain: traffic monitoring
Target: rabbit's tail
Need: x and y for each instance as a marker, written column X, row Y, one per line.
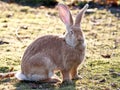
column 20, row 76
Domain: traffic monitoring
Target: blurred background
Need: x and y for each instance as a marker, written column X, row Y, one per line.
column 68, row 2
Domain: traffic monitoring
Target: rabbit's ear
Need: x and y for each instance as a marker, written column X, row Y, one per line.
column 65, row 15
column 80, row 15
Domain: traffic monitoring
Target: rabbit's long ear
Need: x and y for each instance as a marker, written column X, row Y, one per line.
column 65, row 15
column 80, row 15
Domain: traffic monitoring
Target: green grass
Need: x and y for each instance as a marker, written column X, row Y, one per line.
column 101, row 69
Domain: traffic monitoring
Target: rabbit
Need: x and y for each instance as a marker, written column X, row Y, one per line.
column 49, row 53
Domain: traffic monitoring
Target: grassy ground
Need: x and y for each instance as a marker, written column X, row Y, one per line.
column 101, row 69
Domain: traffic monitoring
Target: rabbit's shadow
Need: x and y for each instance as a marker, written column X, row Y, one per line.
column 20, row 85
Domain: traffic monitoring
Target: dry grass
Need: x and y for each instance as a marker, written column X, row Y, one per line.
column 102, row 70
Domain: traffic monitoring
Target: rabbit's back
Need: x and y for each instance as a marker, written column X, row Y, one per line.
column 44, row 44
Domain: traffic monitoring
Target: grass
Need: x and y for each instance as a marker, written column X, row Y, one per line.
column 101, row 69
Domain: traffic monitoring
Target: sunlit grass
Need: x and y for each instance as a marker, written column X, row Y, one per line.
column 101, row 69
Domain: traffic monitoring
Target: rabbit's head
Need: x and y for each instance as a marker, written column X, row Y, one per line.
column 74, row 35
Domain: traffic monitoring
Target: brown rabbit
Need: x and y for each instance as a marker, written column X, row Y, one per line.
column 50, row 53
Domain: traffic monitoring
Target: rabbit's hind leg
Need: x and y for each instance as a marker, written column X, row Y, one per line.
column 43, row 69
column 36, row 69
column 37, row 74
